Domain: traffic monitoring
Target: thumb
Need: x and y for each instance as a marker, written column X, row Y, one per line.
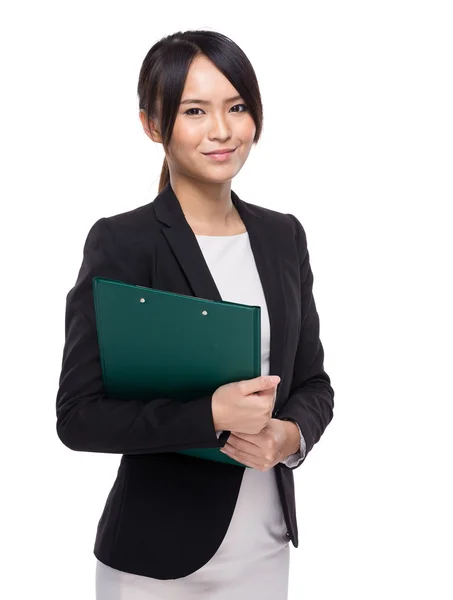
column 264, row 382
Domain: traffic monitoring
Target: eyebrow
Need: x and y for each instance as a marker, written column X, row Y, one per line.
column 198, row 101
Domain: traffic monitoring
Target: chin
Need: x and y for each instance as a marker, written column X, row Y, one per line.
column 216, row 172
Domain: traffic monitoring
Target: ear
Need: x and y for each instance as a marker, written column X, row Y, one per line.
column 150, row 127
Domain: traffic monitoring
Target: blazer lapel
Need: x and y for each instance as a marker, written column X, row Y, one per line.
column 263, row 236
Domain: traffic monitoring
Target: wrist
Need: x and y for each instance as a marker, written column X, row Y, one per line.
column 292, row 438
column 218, row 418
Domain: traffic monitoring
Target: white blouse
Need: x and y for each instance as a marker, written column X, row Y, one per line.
column 232, row 265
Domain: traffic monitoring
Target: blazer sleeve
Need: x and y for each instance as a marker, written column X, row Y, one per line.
column 294, row 460
column 88, row 420
column 310, row 400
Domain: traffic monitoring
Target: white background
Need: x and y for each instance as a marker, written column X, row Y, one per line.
column 357, row 143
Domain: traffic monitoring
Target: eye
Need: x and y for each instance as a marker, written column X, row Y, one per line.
column 187, row 112
column 244, row 105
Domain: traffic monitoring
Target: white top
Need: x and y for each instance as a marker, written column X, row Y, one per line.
column 232, row 265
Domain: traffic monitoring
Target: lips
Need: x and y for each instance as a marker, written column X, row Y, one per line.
column 221, row 151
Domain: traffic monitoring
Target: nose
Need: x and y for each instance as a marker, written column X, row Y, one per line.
column 219, row 128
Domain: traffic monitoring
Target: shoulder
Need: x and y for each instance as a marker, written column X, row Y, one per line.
column 289, row 222
column 131, row 227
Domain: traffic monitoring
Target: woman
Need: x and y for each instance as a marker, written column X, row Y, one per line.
column 176, row 526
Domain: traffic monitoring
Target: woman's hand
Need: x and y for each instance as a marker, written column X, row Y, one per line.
column 263, row 450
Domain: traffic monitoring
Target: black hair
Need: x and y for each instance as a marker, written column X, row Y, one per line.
column 164, row 71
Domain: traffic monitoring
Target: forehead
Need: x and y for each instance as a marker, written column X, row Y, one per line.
column 204, row 80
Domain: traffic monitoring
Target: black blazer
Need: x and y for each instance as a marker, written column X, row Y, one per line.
column 167, row 513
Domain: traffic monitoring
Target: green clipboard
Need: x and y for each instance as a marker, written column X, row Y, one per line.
column 155, row 343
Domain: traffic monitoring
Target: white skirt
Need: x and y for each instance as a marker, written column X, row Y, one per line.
column 252, row 562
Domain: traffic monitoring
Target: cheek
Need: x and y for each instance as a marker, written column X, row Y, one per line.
column 182, row 148
column 246, row 132
column 186, row 136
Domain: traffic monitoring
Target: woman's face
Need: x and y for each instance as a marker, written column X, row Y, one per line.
column 200, row 127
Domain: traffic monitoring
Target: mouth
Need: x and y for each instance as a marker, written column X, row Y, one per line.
column 223, row 155
column 223, row 151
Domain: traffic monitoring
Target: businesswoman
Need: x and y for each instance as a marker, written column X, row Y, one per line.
column 175, row 526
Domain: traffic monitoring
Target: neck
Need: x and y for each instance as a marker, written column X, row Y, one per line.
column 205, row 203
